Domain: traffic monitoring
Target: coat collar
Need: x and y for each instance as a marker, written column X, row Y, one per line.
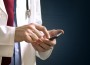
column 2, row 6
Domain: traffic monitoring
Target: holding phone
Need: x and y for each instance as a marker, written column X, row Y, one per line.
column 57, row 33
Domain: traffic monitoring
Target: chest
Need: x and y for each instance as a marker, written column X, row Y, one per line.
column 21, row 12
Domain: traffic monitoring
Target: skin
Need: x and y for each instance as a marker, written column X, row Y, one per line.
column 31, row 34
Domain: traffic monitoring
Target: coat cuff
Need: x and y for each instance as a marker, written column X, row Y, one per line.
column 44, row 55
column 7, row 44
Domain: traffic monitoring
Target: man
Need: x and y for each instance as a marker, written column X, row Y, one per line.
column 33, row 37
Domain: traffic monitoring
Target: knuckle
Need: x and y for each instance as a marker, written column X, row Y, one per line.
column 25, row 33
column 25, row 36
column 30, row 26
column 28, row 30
column 43, row 27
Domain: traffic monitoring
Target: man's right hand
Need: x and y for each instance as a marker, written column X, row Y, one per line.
column 30, row 33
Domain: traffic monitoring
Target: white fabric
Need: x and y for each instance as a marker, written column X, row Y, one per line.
column 28, row 53
column 6, row 33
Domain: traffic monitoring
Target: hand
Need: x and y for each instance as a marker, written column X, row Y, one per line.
column 30, row 33
column 44, row 44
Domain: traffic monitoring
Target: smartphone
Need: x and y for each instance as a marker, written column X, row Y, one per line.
column 59, row 33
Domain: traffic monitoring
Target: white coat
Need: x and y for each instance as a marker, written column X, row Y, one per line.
column 28, row 53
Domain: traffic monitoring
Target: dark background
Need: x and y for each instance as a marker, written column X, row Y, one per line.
column 73, row 17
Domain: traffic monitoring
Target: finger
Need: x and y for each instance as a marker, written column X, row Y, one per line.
column 45, row 46
column 28, row 38
column 37, row 32
column 49, row 42
column 38, row 48
column 43, row 29
column 32, row 35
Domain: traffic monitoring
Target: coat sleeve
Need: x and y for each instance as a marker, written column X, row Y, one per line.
column 44, row 55
column 6, row 40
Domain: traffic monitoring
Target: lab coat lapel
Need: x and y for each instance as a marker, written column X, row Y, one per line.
column 3, row 7
column 21, row 9
column 3, row 14
column 20, row 12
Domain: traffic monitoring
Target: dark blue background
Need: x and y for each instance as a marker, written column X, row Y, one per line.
column 73, row 17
